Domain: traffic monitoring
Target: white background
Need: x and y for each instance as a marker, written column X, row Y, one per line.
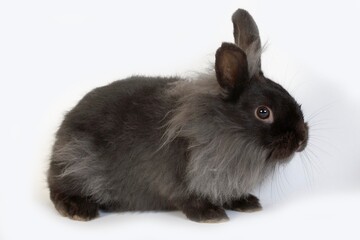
column 53, row 52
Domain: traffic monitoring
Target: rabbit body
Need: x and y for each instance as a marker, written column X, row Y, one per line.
column 107, row 146
column 168, row 143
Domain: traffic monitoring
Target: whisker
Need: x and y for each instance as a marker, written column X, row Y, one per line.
column 317, row 163
column 271, row 184
column 318, row 148
column 303, row 168
column 314, row 164
column 306, row 172
column 321, row 122
column 320, row 110
column 282, row 184
column 314, row 143
column 285, row 183
column 322, row 129
column 285, row 176
column 308, row 150
column 308, row 159
column 278, row 188
column 317, row 137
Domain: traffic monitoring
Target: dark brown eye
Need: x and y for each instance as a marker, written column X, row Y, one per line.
column 264, row 114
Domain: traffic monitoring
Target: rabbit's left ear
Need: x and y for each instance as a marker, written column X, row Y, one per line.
column 231, row 69
column 246, row 35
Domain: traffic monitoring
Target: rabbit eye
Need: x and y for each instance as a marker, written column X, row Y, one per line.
column 264, row 114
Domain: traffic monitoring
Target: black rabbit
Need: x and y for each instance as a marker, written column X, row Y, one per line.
column 172, row 144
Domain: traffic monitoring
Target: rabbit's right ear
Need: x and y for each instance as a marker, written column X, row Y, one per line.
column 246, row 34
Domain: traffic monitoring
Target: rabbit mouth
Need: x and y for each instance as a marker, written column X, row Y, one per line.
column 281, row 155
column 283, row 149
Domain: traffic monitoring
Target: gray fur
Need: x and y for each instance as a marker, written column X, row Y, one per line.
column 247, row 37
column 253, row 55
column 224, row 163
column 79, row 163
column 114, row 157
column 166, row 143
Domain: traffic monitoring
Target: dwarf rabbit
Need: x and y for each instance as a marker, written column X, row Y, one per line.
column 197, row 146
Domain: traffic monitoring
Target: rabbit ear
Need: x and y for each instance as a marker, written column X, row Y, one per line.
column 246, row 34
column 231, row 69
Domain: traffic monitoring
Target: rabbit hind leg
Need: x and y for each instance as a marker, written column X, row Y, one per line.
column 75, row 207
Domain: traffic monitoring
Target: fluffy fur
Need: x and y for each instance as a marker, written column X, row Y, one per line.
column 167, row 143
column 224, row 162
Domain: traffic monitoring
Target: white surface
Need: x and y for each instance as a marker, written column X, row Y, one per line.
column 53, row 52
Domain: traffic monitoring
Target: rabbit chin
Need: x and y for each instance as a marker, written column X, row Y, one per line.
column 280, row 156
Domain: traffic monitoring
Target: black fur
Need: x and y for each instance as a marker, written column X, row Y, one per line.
column 166, row 143
column 112, row 120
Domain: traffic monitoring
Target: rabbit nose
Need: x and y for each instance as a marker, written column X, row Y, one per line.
column 303, row 136
column 301, row 146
